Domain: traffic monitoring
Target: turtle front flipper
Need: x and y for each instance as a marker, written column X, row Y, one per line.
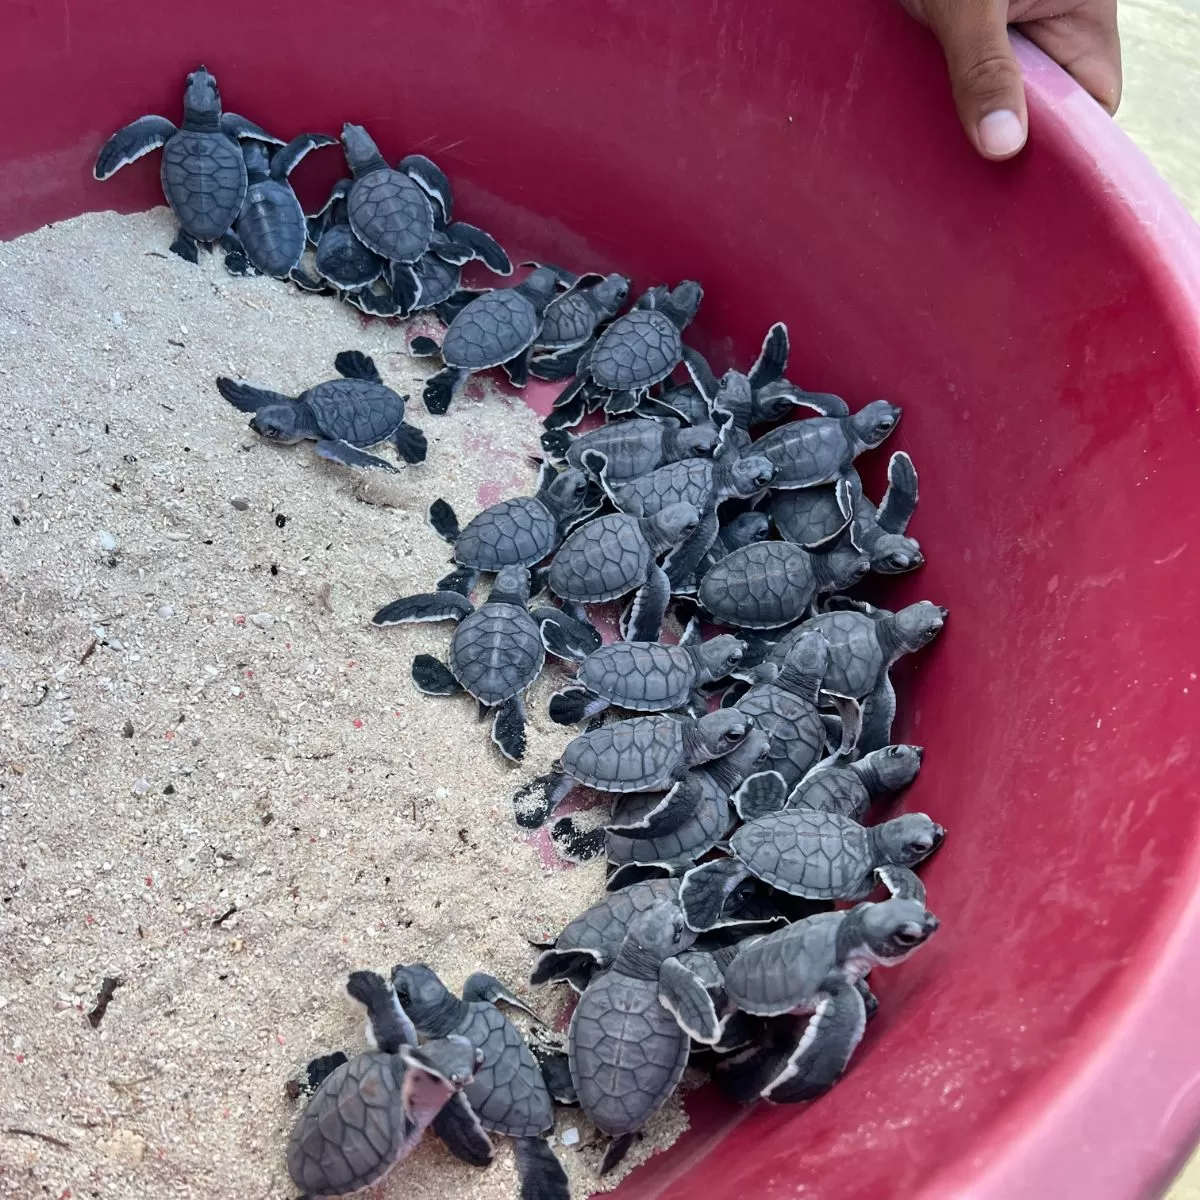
column 760, row 794
column 705, row 889
column 487, row 989
column 443, row 520
column 429, row 606
column 825, row 404
column 900, row 500
column 239, row 127
column 433, row 678
column 565, row 636
column 576, row 844
column 902, row 882
column 575, row 704
column 431, row 179
column 556, row 1072
column 541, row 1174
column 411, row 443
column 351, row 456
column 559, row 366
column 482, row 245
column 461, row 580
column 649, row 608
column 570, row 406
column 424, row 347
column 404, row 287
column 127, row 145
column 536, row 800
column 354, row 364
column 683, row 994
column 772, row 358
column 743, row 1076
column 285, row 160
column 304, row 281
column 676, row 808
column 823, row 1052
column 701, row 374
column 878, row 713
column 319, row 1069
column 580, row 963
column 508, row 728
column 247, row 398
column 390, row 1025
column 684, row 561
column 630, row 873
column 459, row 1127
column 440, row 388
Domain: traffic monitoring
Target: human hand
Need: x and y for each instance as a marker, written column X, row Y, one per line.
column 1080, row 35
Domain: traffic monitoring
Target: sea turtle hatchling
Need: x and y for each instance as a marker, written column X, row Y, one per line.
column 629, row 1035
column 203, row 172
column 646, row 676
column 519, row 532
column 496, row 651
column 823, row 449
column 810, row 514
column 812, row 977
column 640, row 754
column 341, row 415
column 508, row 1094
column 341, row 261
column 611, row 556
column 633, row 448
column 803, row 852
column 271, row 226
column 572, row 319
column 370, row 1112
column 496, row 329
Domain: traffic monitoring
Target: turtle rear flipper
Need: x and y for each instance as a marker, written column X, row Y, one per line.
column 186, row 247
column 772, row 358
column 508, row 728
column 541, row 1174
column 823, row 1053
column 443, row 520
column 517, row 369
column 430, row 606
column 575, row 704
column 352, row 456
column 576, row 844
column 433, row 678
column 488, row 989
column 615, row 1153
column 705, row 889
column 354, row 364
column 440, row 388
column 390, row 1025
column 649, row 608
column 245, row 397
column 303, row 280
column 410, row 443
column 240, row 127
column 127, row 145
column 459, row 1127
column 682, row 993
column 760, row 794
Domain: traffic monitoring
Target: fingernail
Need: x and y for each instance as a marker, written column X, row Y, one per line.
column 1000, row 133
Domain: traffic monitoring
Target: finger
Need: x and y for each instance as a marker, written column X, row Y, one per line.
column 984, row 75
column 1087, row 45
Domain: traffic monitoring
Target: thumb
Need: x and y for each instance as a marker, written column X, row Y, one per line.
column 988, row 89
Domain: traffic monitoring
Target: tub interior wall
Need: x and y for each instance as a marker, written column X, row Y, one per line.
column 604, row 136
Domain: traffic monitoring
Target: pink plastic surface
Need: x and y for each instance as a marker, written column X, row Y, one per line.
column 1037, row 320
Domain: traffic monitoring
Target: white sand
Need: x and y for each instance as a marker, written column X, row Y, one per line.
column 205, row 720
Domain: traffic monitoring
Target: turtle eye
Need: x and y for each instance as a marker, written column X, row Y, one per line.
column 919, row 846
column 907, row 935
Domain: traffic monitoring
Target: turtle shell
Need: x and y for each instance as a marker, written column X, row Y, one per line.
column 497, row 652
column 508, row 1093
column 627, row 1052
column 688, row 481
column 344, row 261
column 439, row 280
column 807, row 453
column 818, row 855
column 793, row 725
column 856, row 659
column 602, row 928
column 643, row 676
column 635, row 351
column 760, row 586
column 782, row 971
column 390, row 215
column 204, row 180
column 355, row 410
column 836, row 791
column 602, row 560
column 353, row 1131
column 693, row 838
column 491, row 330
column 272, row 228
column 569, row 322
column 807, row 515
column 628, row 756
column 632, row 448
column 513, row 533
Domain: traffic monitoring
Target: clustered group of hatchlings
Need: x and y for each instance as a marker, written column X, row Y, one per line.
column 733, row 831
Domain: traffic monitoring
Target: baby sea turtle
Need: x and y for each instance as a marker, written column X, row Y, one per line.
column 508, row 1094
column 342, row 262
column 629, row 1035
column 633, row 448
column 372, row 1110
column 769, row 584
column 514, row 533
column 203, row 172
column 271, row 225
column 817, row 855
column 817, row 966
column 636, row 755
column 496, row 329
column 864, row 643
column 611, row 556
column 572, row 320
column 811, row 514
column 749, row 403
column 495, row 654
column 646, row 676
column 342, row 415
column 846, row 788
column 823, row 449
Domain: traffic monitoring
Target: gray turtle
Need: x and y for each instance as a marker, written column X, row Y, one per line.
column 203, row 172
column 636, row 755
column 371, row 1111
column 271, row 226
column 742, row 530
column 823, row 449
column 508, row 1094
column 341, row 415
column 835, row 786
column 496, row 329
column 646, row 676
column 810, row 514
column 812, row 977
column 341, row 261
column 802, row 852
column 571, row 323
column 864, row 643
column 769, row 584
column 495, row 654
column 610, row 556
column 629, row 1035
column 633, row 448
column 514, row 533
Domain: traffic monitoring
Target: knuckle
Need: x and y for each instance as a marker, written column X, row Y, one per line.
column 988, row 75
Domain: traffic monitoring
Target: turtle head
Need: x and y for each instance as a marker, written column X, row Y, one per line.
column 362, row 155
column 753, row 754
column 511, row 587
column 894, row 553
column 423, row 996
column 434, row 1072
column 918, row 624
column 907, row 840
column 892, row 930
column 722, row 731
column 734, row 397
column 202, row 101
column 873, row 423
column 746, row 528
column 682, row 303
column 568, row 493
column 847, row 565
column 751, row 475
column 610, row 294
column 805, row 664
column 257, row 159
column 539, row 286
column 720, row 656
column 654, row 936
column 671, row 525
column 696, row 441
column 279, row 423
column 892, row 768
